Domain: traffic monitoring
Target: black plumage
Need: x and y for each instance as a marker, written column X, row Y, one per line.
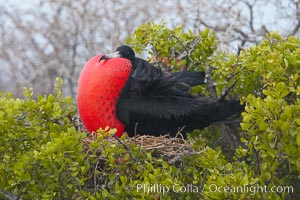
column 155, row 102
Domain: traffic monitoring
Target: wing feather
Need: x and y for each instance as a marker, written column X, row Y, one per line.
column 160, row 100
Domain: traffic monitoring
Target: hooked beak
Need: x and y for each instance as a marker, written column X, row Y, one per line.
column 112, row 55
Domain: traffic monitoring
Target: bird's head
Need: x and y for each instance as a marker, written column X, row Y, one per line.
column 122, row 51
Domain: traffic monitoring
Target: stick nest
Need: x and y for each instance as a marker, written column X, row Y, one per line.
column 171, row 149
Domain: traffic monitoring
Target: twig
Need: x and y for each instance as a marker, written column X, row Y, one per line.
column 179, row 132
column 182, row 146
column 180, row 155
column 250, row 7
column 135, row 128
column 180, row 42
column 210, row 84
column 195, row 42
column 95, row 178
column 257, row 160
column 188, row 52
column 240, row 49
column 10, row 196
column 155, row 147
column 175, row 159
column 297, row 26
column 126, row 147
column 227, row 90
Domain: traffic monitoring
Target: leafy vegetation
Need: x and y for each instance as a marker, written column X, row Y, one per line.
column 44, row 155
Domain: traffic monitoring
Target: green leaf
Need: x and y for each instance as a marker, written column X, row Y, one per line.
column 280, row 86
column 245, row 126
column 149, row 156
column 262, row 125
column 244, row 140
column 126, row 156
column 285, row 126
column 298, row 139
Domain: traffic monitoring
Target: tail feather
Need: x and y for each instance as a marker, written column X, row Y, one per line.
column 184, row 80
column 189, row 78
column 226, row 111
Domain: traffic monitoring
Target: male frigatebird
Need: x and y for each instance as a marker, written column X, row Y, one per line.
column 130, row 94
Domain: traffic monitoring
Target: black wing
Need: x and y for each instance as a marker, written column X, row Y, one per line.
column 155, row 115
column 159, row 103
column 183, row 80
column 158, row 94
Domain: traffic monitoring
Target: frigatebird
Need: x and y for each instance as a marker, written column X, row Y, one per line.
column 128, row 93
